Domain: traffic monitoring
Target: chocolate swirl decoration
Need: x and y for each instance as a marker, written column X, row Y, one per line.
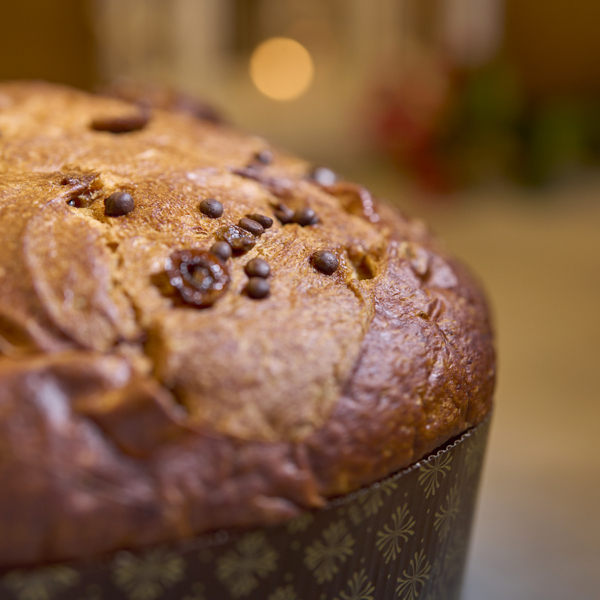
column 200, row 278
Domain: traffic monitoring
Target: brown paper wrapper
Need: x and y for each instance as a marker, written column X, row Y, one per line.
column 404, row 538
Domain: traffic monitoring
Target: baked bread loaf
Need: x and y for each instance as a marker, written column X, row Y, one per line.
column 152, row 387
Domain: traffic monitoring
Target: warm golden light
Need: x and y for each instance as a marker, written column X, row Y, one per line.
column 281, row 68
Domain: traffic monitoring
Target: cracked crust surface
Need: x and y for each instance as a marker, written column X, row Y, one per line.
column 128, row 418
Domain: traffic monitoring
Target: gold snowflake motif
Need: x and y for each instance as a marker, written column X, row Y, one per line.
column 197, row 592
column 447, row 513
column 359, row 588
column 146, row 577
column 44, row 583
column 433, row 472
column 240, row 570
column 284, row 593
column 300, row 523
column 390, row 538
column 412, row 580
column 372, row 501
column 437, row 581
column 323, row 557
column 355, row 514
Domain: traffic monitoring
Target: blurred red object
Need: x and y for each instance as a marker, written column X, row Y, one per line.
column 408, row 108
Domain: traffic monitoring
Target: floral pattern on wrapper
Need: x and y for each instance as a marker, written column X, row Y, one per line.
column 324, row 556
column 403, row 538
column 45, row 583
column 391, row 538
column 413, row 579
column 146, row 577
column 241, row 569
column 432, row 473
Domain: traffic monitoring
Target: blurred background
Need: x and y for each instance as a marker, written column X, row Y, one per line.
column 481, row 116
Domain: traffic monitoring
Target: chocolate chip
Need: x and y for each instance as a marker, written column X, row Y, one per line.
column 118, row 204
column 222, row 250
column 199, row 277
column 257, row 267
column 284, row 214
column 283, row 217
column 264, row 156
column 237, row 238
column 211, row 208
column 258, row 288
column 254, row 227
column 323, row 176
column 250, row 172
column 305, row 216
column 327, row 262
column 265, row 221
column 122, row 124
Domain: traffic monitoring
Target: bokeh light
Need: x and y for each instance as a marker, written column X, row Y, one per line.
column 281, row 68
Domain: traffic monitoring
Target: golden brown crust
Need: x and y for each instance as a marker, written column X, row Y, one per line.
column 133, row 418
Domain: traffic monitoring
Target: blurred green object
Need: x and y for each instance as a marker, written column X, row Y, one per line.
column 558, row 141
column 479, row 136
column 489, row 130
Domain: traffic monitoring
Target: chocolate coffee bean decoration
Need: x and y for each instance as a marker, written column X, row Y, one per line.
column 211, row 208
column 258, row 288
column 122, row 124
column 222, row 250
column 258, row 267
column 118, row 204
column 327, row 262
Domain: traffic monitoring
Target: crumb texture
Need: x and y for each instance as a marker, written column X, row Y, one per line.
column 130, row 415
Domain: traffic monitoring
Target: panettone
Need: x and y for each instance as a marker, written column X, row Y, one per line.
column 198, row 331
